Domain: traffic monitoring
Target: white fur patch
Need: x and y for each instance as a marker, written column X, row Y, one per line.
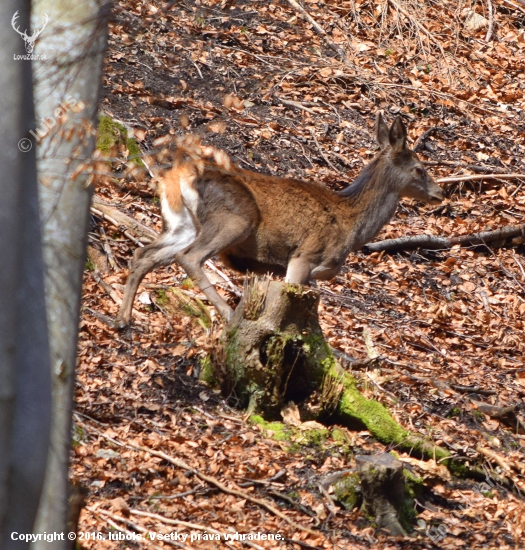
column 190, row 197
column 180, row 228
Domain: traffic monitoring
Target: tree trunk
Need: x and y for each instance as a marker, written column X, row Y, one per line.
column 68, row 74
column 25, row 386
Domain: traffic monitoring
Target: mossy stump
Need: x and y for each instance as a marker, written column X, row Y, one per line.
column 273, row 350
column 383, row 489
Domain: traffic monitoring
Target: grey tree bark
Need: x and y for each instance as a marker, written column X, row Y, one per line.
column 25, row 388
column 67, row 75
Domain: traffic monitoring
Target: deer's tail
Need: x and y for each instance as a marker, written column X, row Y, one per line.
column 176, row 187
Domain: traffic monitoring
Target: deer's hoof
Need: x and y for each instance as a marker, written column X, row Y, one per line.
column 121, row 325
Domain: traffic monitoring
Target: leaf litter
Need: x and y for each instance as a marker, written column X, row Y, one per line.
column 259, row 81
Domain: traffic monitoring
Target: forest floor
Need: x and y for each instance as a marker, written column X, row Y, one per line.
column 257, row 80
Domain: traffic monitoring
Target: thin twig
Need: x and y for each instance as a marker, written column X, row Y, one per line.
column 491, row 21
column 296, row 105
column 108, row 516
column 418, row 25
column 209, row 479
column 322, row 153
column 296, row 6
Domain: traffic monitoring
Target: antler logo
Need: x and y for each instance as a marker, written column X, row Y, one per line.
column 29, row 40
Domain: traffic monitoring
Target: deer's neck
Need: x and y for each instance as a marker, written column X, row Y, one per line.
column 371, row 202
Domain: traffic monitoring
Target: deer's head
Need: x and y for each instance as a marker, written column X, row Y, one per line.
column 405, row 168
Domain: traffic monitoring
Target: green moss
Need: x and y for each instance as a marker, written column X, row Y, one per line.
column 207, row 374
column 299, row 439
column 355, row 411
column 174, row 301
column 162, row 298
column 78, row 436
column 111, row 133
column 187, row 283
column 89, row 266
column 134, row 151
column 457, row 468
column 414, row 486
column 196, row 308
column 276, row 430
column 454, row 412
column 339, row 436
column 478, row 415
column 347, row 491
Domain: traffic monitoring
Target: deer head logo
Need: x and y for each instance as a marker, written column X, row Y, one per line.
column 29, row 40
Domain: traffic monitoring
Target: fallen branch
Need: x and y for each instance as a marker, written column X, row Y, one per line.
column 423, row 137
column 108, row 517
column 516, row 7
column 297, row 7
column 196, row 526
column 512, row 176
column 119, row 220
column 433, row 242
column 506, row 415
column 472, row 389
column 478, row 168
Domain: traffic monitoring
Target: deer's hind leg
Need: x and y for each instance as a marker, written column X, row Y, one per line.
column 179, row 234
column 217, row 235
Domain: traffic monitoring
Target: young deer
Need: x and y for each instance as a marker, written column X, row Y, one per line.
column 261, row 223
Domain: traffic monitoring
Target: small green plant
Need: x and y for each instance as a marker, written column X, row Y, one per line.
column 478, row 415
column 111, row 133
column 90, row 266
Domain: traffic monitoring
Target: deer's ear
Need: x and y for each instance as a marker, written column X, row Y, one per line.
column 398, row 135
column 381, row 131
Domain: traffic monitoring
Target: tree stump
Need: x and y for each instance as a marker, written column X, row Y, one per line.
column 383, row 490
column 273, row 350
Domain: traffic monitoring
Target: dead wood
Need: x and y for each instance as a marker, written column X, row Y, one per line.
column 472, row 389
column 477, row 177
column 497, row 237
column 270, row 352
column 383, row 490
column 298, row 8
column 124, row 223
column 506, row 415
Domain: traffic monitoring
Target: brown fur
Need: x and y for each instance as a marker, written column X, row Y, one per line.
column 261, row 223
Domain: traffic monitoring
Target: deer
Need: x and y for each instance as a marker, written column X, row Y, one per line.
column 260, row 223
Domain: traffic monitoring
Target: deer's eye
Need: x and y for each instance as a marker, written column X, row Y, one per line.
column 420, row 172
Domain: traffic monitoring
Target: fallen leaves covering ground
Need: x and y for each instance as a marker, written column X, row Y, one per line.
column 258, row 81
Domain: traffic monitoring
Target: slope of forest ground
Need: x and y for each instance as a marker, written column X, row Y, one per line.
column 284, row 97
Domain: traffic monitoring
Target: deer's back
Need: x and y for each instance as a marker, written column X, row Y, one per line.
column 288, row 215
